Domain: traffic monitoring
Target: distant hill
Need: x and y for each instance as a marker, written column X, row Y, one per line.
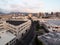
column 3, row 11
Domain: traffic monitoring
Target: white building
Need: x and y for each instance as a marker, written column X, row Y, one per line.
column 52, row 25
column 9, row 33
column 7, row 38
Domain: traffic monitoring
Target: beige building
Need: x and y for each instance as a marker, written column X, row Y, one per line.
column 40, row 15
column 9, row 33
column 30, row 14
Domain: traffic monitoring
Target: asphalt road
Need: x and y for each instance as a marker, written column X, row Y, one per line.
column 29, row 36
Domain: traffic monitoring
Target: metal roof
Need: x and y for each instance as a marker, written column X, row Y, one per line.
column 52, row 38
column 54, row 22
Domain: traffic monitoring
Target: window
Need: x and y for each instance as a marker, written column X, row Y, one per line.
column 53, row 30
column 22, row 34
column 1, row 22
column 26, row 30
column 0, row 36
column 1, row 25
column 48, row 27
column 56, row 27
column 10, row 31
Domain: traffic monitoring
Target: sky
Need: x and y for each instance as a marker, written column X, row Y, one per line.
column 30, row 5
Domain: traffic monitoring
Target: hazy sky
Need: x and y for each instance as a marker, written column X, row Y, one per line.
column 30, row 5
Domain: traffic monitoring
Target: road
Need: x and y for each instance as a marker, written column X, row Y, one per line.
column 29, row 36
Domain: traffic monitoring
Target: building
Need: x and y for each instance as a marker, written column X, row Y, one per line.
column 12, row 31
column 52, row 25
column 52, row 38
column 30, row 15
column 40, row 15
column 57, row 14
column 7, row 38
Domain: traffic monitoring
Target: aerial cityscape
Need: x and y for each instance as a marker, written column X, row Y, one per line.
column 29, row 22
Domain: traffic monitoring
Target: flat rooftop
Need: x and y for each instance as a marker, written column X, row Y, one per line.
column 16, row 23
column 5, row 37
column 52, row 38
column 53, row 22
